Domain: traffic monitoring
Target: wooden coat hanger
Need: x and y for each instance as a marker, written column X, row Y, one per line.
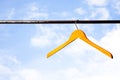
column 81, row 35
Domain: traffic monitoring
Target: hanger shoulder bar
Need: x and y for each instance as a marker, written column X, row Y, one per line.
column 59, row 21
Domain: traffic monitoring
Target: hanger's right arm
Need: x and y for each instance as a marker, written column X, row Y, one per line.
column 99, row 48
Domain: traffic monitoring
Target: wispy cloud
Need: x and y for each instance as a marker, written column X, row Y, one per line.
column 19, row 74
column 8, row 59
column 100, row 13
column 112, row 39
column 116, row 6
column 32, row 11
column 62, row 14
column 49, row 35
column 7, row 65
column 11, row 13
column 97, row 2
column 80, row 11
column 27, row 74
column 4, row 70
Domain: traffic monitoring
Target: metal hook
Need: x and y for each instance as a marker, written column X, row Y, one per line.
column 76, row 25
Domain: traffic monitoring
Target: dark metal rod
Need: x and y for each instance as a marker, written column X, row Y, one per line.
column 59, row 21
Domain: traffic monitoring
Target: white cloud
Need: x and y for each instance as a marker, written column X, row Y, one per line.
column 103, row 77
column 80, row 11
column 34, row 12
column 116, row 5
column 11, row 13
column 97, row 2
column 40, row 41
column 13, row 59
column 48, row 35
column 7, row 65
column 35, row 15
column 71, row 74
column 43, row 36
column 4, row 70
column 63, row 14
column 100, row 13
column 10, row 72
column 29, row 74
column 111, row 41
column 20, row 74
column 8, row 59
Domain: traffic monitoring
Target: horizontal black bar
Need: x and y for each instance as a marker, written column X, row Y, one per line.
column 59, row 21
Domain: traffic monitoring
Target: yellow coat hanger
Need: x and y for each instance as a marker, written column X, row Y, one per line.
column 81, row 35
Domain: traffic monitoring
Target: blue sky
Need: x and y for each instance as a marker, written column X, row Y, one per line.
column 23, row 47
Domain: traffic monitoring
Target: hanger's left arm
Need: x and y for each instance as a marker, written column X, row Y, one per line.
column 58, row 48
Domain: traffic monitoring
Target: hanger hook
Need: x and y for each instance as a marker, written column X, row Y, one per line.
column 76, row 25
